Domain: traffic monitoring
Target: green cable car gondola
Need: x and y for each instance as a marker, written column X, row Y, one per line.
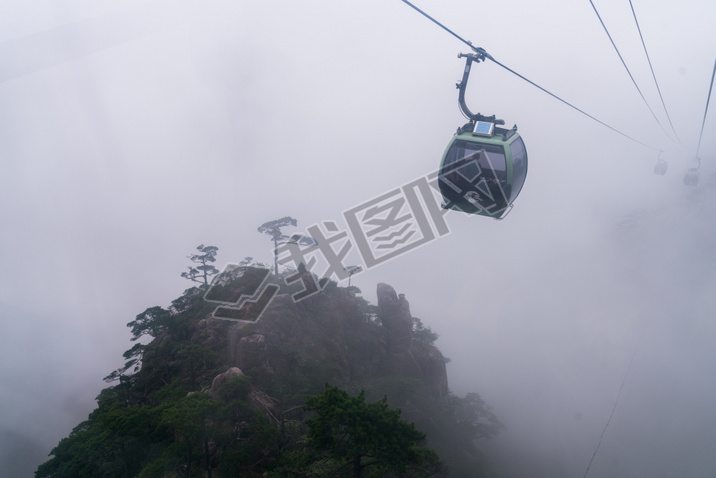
column 484, row 166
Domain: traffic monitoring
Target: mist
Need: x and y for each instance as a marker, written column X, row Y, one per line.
column 133, row 132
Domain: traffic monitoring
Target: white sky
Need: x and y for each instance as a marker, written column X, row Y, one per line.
column 131, row 132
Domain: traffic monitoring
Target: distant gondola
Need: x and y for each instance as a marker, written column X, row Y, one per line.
column 691, row 178
column 661, row 167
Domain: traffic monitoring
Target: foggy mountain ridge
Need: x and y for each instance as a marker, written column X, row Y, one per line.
column 676, row 235
column 334, row 337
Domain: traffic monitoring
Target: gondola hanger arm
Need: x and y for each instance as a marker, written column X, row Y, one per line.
column 478, row 56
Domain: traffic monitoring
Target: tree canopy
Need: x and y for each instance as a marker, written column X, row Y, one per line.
column 273, row 229
column 366, row 436
column 204, row 270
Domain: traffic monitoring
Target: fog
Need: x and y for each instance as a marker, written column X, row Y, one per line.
column 131, row 132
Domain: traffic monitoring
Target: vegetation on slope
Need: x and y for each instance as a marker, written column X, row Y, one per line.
column 324, row 402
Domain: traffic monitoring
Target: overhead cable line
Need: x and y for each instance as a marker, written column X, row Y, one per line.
column 466, row 42
column 616, row 401
column 569, row 104
column 628, row 71
column 706, row 110
column 652, row 72
column 482, row 52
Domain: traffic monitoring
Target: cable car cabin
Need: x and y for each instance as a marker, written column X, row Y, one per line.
column 661, row 167
column 483, row 169
column 691, row 178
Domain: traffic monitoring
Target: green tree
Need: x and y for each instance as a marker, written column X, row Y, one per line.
column 473, row 418
column 191, row 420
column 366, row 436
column 152, row 322
column 422, row 334
column 204, row 270
column 273, row 229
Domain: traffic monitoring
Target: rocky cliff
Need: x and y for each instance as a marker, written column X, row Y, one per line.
column 335, row 337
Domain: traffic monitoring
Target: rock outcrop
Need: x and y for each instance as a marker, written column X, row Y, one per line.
column 257, row 399
column 394, row 313
column 329, row 337
column 222, row 379
column 407, row 357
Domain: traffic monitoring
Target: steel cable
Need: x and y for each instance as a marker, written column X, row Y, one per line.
column 706, row 110
column 489, row 57
column 628, row 71
column 652, row 72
